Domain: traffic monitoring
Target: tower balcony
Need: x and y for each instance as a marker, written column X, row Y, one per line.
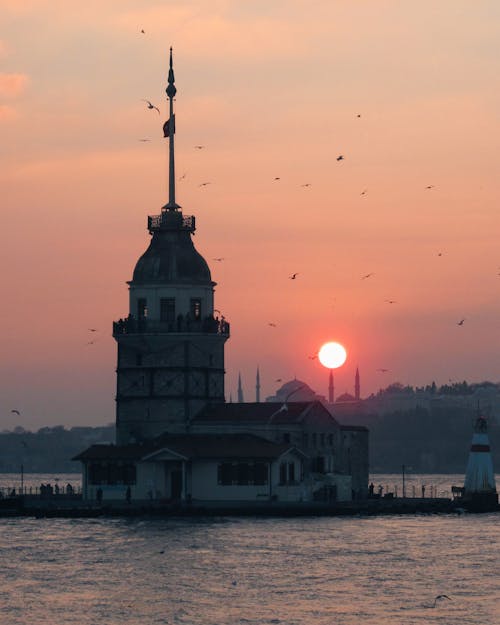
column 171, row 220
column 183, row 324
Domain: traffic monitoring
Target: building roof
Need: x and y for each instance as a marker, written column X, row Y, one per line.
column 264, row 413
column 171, row 257
column 355, row 428
column 191, row 446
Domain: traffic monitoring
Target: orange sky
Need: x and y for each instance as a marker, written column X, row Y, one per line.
column 271, row 91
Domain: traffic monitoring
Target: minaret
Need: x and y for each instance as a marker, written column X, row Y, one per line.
column 257, row 386
column 170, row 346
column 479, row 476
column 330, row 388
column 240, row 390
column 356, row 385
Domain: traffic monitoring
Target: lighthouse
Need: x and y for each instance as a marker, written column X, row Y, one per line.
column 479, row 488
column 170, row 345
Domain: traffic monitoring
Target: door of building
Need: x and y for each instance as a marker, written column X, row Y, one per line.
column 176, row 484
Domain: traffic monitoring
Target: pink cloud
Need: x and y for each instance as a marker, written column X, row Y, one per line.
column 11, row 85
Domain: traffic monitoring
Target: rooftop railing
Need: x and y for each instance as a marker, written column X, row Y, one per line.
column 182, row 324
column 163, row 222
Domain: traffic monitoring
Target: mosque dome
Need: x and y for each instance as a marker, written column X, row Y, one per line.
column 346, row 397
column 295, row 385
column 171, row 257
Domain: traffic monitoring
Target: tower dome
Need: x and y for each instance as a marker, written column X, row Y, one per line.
column 171, row 257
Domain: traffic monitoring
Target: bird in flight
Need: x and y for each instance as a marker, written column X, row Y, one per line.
column 199, row 147
column 277, row 178
column 16, row 412
column 364, row 192
column 340, row 157
column 440, row 597
column 368, row 275
column 183, row 176
column 391, row 301
column 152, row 106
column 143, row 32
column 307, row 184
column 90, row 342
column 273, row 325
column 383, row 370
column 440, row 253
column 219, row 259
column 313, row 357
column 92, row 329
column 430, row 186
column 204, row 184
column 144, row 140
column 461, row 322
column 358, row 115
column 293, row 276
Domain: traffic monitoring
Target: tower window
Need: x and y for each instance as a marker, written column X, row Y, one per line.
column 142, row 308
column 196, row 309
column 167, row 309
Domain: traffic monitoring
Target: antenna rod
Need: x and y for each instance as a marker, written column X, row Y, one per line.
column 170, row 129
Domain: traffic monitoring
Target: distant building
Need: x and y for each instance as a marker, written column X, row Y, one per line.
column 177, row 439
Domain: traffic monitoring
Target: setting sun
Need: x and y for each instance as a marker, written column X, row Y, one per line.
column 332, row 355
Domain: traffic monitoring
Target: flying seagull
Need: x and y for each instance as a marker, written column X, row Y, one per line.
column 143, row 31
column 92, row 329
column 340, row 157
column 273, row 325
column 391, row 301
column 383, row 370
column 307, row 184
column 368, row 275
column 278, row 380
column 364, row 192
column 293, row 276
column 16, row 412
column 199, row 147
column 183, row 176
column 144, row 140
column 204, row 184
column 152, row 106
column 440, row 597
column 219, row 259
column 277, row 178
column 461, row 322
column 430, row 186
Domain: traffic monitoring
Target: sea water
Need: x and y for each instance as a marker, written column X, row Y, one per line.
column 251, row 571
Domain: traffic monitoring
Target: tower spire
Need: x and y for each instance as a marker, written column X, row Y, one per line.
column 257, row 386
column 169, row 131
column 240, row 390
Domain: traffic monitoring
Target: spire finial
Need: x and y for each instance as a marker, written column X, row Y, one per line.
column 169, row 131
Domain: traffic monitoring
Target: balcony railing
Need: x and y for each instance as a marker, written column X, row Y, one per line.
column 163, row 222
column 182, row 324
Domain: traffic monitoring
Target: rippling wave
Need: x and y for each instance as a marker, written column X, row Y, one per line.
column 251, row 571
